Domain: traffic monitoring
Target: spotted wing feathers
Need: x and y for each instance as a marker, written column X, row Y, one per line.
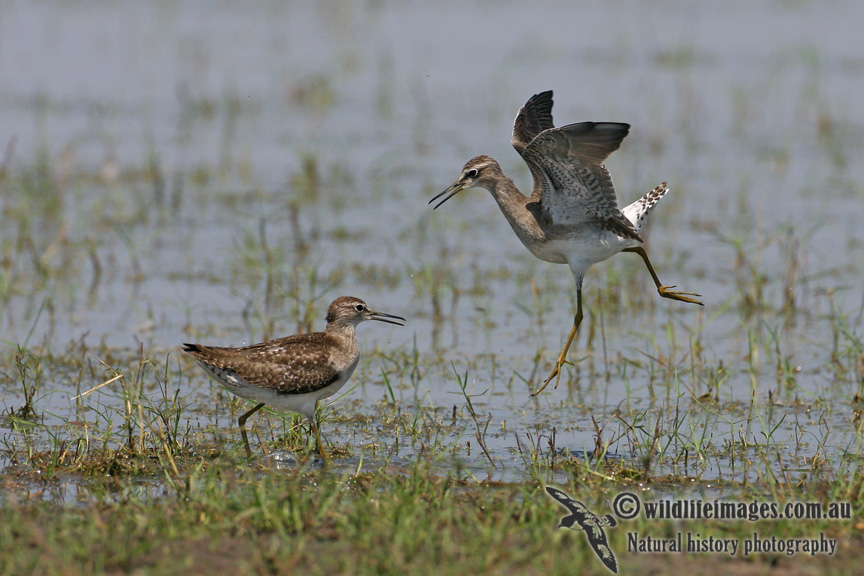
column 297, row 364
column 575, row 185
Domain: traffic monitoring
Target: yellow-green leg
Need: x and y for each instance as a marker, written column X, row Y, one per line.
column 242, row 422
column 664, row 291
column 562, row 358
column 322, row 450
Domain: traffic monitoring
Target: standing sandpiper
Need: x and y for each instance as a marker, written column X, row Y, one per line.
column 572, row 216
column 295, row 372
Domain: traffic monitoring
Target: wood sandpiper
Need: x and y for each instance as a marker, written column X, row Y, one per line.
column 293, row 373
column 572, row 216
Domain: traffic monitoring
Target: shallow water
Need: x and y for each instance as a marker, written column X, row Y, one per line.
column 171, row 135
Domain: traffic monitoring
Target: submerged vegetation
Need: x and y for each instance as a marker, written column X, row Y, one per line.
column 119, row 459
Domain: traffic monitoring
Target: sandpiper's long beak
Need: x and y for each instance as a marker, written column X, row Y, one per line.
column 381, row 317
column 450, row 192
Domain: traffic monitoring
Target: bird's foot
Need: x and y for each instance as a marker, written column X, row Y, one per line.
column 667, row 292
column 556, row 374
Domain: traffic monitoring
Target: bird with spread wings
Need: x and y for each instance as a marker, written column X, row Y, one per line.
column 583, row 519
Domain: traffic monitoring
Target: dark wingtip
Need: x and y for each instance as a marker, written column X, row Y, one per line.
column 191, row 347
column 546, row 95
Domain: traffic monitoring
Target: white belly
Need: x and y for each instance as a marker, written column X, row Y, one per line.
column 600, row 247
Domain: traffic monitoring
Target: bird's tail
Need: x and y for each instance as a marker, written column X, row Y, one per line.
column 612, row 521
column 194, row 349
column 638, row 211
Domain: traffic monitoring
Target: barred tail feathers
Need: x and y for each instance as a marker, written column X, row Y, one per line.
column 638, row 211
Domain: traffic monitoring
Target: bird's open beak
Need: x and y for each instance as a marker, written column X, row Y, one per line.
column 450, row 192
column 381, row 317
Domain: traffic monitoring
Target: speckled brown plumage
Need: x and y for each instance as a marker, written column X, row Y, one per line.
column 295, row 372
column 297, row 364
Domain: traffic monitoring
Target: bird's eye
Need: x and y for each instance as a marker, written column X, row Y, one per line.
column 472, row 173
column 359, row 307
